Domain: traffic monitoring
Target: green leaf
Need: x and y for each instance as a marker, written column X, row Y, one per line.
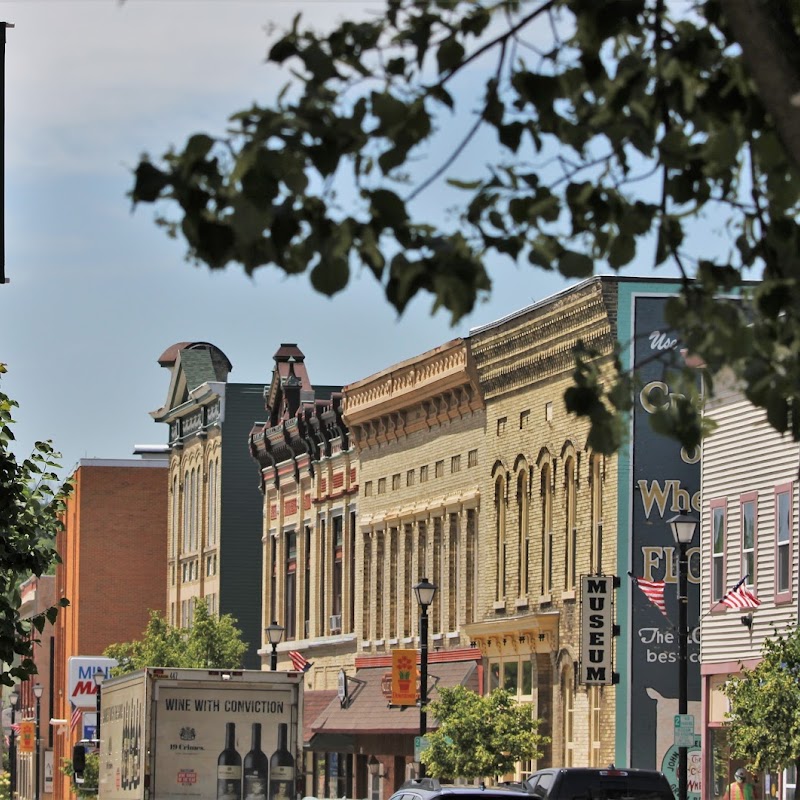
column 449, row 55
column 388, row 209
column 197, row 148
column 150, row 181
column 575, row 265
column 622, row 252
column 330, row 276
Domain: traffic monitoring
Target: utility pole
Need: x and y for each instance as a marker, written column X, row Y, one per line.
column 3, row 26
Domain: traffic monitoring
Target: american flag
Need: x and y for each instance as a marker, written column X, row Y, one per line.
column 740, row 597
column 654, row 592
column 299, row 662
column 77, row 713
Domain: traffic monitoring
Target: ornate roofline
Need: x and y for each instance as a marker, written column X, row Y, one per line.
column 446, row 371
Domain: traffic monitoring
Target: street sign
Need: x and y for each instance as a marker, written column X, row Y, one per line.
column 420, row 743
column 684, row 730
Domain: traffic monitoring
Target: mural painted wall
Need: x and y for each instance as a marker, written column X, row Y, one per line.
column 660, row 480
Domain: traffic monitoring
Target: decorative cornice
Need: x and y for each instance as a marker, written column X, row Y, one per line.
column 537, row 345
column 440, row 374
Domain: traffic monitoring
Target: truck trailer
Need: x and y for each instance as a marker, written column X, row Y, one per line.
column 204, row 734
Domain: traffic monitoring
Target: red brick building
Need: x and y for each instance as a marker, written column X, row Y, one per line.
column 113, row 571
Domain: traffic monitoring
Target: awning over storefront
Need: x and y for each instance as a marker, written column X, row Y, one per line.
column 315, row 701
column 368, row 712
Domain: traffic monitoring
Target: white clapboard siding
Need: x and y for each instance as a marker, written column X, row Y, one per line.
column 744, row 454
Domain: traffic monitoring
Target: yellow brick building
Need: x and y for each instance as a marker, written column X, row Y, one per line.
column 546, row 496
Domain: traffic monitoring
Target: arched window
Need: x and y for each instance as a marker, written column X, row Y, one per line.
column 547, row 530
column 211, row 535
column 192, row 510
column 500, row 536
column 596, row 480
column 523, row 542
column 571, row 530
column 176, row 516
column 187, row 517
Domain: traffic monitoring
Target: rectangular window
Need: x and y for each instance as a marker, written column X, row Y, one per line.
column 410, row 475
column 423, row 474
column 501, row 426
column 511, row 677
column 440, row 469
column 524, row 416
column 307, row 560
column 494, row 675
column 718, row 588
column 368, row 489
column 290, row 586
column 783, row 543
column 472, row 458
column 381, row 485
column 455, row 464
column 748, row 506
column 395, row 482
column 338, row 568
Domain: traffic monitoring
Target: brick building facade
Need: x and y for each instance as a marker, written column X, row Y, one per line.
column 112, row 571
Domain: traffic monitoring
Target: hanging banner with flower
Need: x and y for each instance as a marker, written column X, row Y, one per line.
column 404, row 677
column 27, row 737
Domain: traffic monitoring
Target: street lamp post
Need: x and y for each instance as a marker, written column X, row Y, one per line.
column 12, row 747
column 99, row 677
column 274, row 635
column 425, row 592
column 683, row 528
column 37, row 691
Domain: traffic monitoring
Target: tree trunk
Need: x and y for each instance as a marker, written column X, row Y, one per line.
column 771, row 51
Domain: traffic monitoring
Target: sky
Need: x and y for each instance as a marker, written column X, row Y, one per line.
column 97, row 291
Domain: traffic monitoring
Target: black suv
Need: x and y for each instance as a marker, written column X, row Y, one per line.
column 610, row 783
column 431, row 789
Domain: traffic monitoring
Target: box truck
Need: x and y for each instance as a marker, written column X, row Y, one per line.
column 200, row 734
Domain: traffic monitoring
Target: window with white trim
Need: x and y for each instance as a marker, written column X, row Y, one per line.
column 783, row 543
column 748, row 508
column 718, row 588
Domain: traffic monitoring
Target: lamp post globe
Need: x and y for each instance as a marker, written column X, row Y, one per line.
column 425, row 592
column 274, row 635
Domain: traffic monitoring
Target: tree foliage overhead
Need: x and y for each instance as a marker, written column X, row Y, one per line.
column 609, row 132
column 479, row 736
column 32, row 501
column 211, row 642
column 764, row 718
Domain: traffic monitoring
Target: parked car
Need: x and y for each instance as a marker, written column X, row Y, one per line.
column 609, row 783
column 431, row 789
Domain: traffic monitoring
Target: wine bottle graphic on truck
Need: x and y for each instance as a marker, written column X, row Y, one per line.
column 229, row 767
column 281, row 768
column 255, row 768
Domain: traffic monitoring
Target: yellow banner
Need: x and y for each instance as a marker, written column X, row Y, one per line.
column 404, row 677
column 27, row 737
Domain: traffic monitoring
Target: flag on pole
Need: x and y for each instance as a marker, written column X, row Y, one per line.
column 653, row 591
column 77, row 713
column 740, row 597
column 299, row 662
